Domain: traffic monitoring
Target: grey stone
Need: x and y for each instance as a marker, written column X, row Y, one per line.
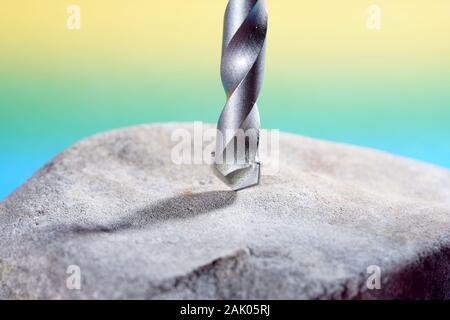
column 139, row 226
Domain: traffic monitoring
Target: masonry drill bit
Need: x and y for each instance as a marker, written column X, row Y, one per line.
column 242, row 68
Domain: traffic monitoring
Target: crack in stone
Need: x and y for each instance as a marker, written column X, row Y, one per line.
column 188, row 281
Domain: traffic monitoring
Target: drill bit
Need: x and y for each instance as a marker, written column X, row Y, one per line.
column 242, row 68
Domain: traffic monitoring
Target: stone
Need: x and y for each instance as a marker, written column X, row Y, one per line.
column 114, row 214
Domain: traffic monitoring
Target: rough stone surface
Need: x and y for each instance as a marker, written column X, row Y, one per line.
column 139, row 226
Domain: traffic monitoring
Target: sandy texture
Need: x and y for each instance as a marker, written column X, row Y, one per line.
column 139, row 226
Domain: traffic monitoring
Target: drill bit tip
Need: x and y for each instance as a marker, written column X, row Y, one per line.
column 240, row 179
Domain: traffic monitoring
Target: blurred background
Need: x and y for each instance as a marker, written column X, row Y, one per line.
column 329, row 73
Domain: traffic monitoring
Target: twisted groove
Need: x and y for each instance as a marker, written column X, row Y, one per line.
column 241, row 72
column 239, row 47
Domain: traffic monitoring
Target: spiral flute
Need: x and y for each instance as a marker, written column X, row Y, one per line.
column 242, row 69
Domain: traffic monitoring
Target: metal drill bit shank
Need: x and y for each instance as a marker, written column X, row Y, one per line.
column 242, row 69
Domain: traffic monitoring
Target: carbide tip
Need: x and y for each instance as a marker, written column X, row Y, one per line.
column 240, row 179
